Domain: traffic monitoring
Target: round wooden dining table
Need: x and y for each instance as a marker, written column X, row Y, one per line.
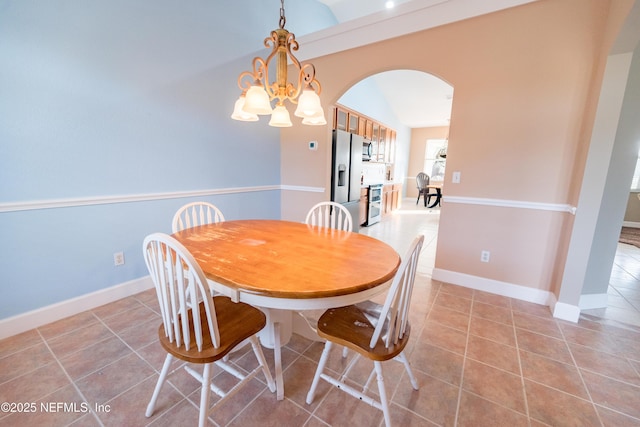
column 284, row 267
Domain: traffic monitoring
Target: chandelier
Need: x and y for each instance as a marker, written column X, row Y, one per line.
column 258, row 91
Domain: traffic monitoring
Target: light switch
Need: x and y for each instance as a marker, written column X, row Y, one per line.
column 456, row 178
column 313, row 145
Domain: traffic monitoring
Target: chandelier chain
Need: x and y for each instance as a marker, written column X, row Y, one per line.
column 283, row 20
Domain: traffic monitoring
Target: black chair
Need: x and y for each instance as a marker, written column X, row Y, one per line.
column 422, row 183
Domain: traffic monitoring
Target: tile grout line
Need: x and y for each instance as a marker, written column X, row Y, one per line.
column 72, row 381
column 464, row 362
column 100, row 320
column 582, row 380
column 522, row 379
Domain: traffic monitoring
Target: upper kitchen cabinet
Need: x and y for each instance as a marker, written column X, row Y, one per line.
column 391, row 146
column 365, row 127
column 353, row 123
column 382, row 145
column 340, row 119
column 376, row 133
column 346, row 120
column 382, row 138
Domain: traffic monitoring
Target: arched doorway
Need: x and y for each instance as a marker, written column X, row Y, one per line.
column 417, row 105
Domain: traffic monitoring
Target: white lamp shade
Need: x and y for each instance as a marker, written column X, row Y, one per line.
column 308, row 104
column 257, row 101
column 317, row 120
column 239, row 114
column 280, row 117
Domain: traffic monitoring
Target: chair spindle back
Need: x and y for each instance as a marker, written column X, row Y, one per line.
column 195, row 214
column 180, row 284
column 394, row 315
column 330, row 215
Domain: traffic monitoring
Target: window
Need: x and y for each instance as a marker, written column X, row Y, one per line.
column 434, row 162
column 635, row 182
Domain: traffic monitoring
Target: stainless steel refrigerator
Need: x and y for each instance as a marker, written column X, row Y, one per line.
column 346, row 172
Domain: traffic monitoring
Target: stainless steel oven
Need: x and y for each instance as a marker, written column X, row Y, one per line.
column 374, row 213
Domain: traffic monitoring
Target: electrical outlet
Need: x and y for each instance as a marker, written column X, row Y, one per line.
column 118, row 258
column 484, row 256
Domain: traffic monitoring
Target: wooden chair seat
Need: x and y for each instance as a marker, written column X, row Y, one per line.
column 238, row 321
column 352, row 327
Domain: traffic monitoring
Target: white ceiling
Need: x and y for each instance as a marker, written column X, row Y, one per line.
column 418, row 99
column 347, row 10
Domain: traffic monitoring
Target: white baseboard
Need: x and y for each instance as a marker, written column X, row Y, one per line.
column 564, row 311
column 497, row 287
column 559, row 310
column 593, row 301
column 570, row 313
column 41, row 316
column 631, row 224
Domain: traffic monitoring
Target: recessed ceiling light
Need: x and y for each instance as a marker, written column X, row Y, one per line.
column 389, row 4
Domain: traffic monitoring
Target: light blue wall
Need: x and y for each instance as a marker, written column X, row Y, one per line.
column 119, row 98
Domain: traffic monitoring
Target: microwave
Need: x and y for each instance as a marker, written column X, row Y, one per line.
column 367, row 149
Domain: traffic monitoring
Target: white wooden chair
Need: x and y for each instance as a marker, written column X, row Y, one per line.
column 194, row 214
column 377, row 332
column 199, row 336
column 331, row 215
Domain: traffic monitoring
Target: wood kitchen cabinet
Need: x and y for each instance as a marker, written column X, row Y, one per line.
column 382, row 144
column 391, row 196
column 353, row 123
column 364, row 205
column 375, row 132
column 382, row 138
column 340, row 119
column 391, row 146
column 365, row 127
column 387, row 198
column 396, row 196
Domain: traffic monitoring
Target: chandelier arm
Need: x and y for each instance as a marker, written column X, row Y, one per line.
column 260, row 69
column 292, row 45
column 245, row 80
column 309, row 77
column 317, row 88
column 306, row 77
column 271, row 43
column 261, row 73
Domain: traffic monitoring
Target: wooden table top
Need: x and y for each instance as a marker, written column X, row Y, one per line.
column 288, row 259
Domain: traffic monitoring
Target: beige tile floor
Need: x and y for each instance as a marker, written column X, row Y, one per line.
column 480, row 359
